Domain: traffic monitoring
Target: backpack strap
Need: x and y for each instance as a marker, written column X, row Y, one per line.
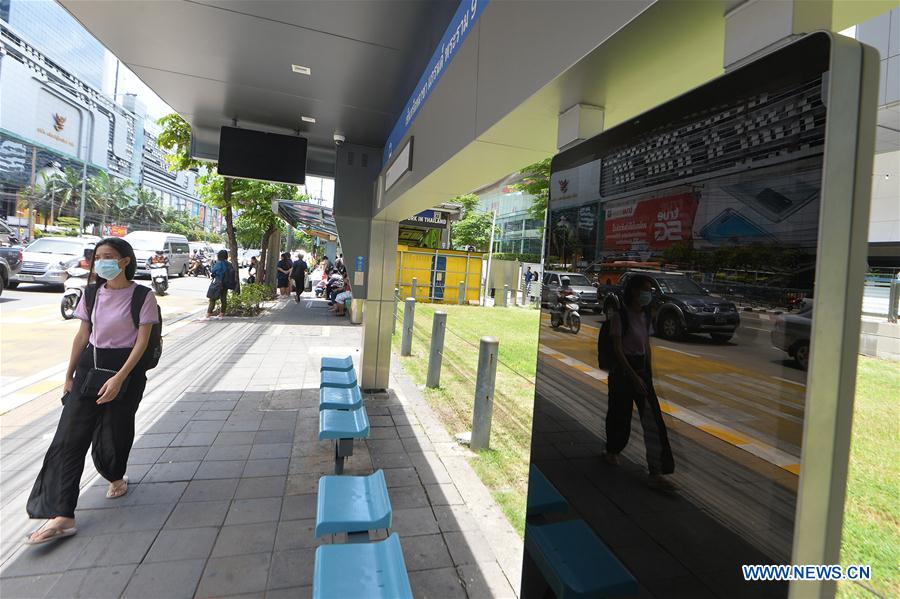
column 90, row 296
column 137, row 303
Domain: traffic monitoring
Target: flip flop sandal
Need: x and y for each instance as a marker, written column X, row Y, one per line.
column 120, row 492
column 58, row 533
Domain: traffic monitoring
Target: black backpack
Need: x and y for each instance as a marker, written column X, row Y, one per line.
column 606, row 353
column 151, row 356
column 230, row 280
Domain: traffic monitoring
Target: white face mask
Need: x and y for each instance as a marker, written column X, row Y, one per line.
column 645, row 298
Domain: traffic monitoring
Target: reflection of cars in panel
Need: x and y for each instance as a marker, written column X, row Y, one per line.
column 7, row 236
column 792, row 332
column 587, row 293
column 147, row 243
column 681, row 306
column 45, row 260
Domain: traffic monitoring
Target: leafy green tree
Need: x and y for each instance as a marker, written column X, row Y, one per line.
column 176, row 139
column 474, row 228
column 536, row 183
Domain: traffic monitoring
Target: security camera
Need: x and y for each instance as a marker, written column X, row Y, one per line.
column 339, row 139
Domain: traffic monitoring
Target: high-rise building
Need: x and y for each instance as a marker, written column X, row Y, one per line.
column 57, row 34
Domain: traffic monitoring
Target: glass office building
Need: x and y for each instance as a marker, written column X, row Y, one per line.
column 520, row 233
column 57, row 34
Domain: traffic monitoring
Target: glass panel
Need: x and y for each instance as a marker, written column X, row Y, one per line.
column 679, row 455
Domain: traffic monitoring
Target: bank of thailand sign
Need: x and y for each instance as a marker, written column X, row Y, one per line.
column 454, row 36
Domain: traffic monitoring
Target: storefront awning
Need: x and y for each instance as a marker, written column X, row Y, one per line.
column 308, row 216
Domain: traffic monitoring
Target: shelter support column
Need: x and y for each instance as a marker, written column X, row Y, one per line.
column 379, row 311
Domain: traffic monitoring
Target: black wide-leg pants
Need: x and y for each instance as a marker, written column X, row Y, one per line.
column 107, row 429
column 622, row 394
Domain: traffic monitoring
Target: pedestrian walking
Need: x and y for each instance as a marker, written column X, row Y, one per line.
column 104, row 384
column 223, row 279
column 284, row 273
column 631, row 382
column 298, row 274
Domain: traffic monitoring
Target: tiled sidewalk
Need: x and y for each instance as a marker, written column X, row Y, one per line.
column 224, row 478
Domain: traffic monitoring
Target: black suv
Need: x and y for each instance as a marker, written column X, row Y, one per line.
column 682, row 306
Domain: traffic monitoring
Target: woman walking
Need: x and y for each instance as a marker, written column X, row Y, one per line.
column 104, row 384
column 218, row 288
column 284, row 272
column 631, row 382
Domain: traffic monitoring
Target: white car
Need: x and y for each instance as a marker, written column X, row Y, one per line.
column 45, row 260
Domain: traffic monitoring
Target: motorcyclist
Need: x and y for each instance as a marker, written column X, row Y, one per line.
column 159, row 258
column 197, row 261
column 564, row 293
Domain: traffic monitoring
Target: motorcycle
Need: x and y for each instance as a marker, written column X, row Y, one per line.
column 159, row 276
column 74, row 285
column 566, row 314
column 200, row 268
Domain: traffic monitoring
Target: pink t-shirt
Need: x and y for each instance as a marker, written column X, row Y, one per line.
column 636, row 340
column 113, row 326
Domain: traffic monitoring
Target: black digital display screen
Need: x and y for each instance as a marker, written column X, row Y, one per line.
column 666, row 450
column 249, row 154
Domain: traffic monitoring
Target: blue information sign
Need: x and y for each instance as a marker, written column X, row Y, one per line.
column 454, row 36
column 360, row 264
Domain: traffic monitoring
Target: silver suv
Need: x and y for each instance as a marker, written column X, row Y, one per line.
column 587, row 293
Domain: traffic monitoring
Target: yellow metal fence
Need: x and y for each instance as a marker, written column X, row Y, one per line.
column 438, row 274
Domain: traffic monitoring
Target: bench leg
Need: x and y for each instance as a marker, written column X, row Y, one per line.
column 342, row 448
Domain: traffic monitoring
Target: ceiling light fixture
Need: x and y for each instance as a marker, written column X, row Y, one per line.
column 301, row 70
column 307, row 119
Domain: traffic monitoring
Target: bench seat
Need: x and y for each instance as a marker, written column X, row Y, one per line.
column 339, row 398
column 575, row 562
column 349, row 504
column 543, row 498
column 343, row 424
column 338, row 378
column 333, row 363
column 361, row 570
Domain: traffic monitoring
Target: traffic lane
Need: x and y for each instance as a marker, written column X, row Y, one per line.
column 751, row 346
column 37, row 338
column 723, row 388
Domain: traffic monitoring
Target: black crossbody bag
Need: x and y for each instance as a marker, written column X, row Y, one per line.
column 96, row 377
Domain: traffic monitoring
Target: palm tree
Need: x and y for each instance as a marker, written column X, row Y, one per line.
column 66, row 187
column 109, row 195
column 146, row 207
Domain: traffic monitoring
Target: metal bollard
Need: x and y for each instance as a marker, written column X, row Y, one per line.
column 484, row 393
column 396, row 309
column 413, row 292
column 504, row 302
column 893, row 301
column 438, row 326
column 462, row 293
column 409, row 314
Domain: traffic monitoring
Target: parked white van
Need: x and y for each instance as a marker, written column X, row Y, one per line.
column 175, row 247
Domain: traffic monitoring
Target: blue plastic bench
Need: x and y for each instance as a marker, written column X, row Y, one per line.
column 575, row 562
column 543, row 498
column 352, row 504
column 361, row 570
column 338, row 378
column 339, row 398
column 340, row 364
column 343, row 426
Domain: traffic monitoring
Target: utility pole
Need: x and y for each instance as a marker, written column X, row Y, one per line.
column 83, row 193
column 487, row 278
